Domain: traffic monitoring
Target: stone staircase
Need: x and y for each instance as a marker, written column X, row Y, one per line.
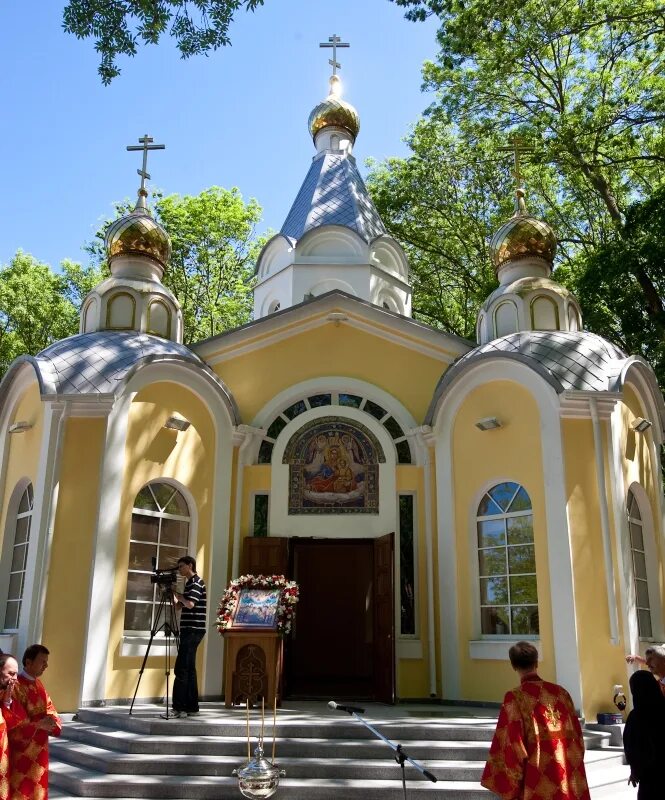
column 326, row 754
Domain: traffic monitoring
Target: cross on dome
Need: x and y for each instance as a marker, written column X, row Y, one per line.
column 145, row 145
column 517, row 147
column 334, row 41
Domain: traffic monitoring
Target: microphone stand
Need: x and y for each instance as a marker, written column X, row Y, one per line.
column 401, row 756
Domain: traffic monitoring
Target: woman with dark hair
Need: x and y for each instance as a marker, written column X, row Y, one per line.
column 644, row 736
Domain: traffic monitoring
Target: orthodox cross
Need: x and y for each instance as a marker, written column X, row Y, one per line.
column 334, row 41
column 146, row 144
column 517, row 147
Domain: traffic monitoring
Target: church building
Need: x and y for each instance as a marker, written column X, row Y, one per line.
column 435, row 499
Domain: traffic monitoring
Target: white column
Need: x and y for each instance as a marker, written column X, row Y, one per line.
column 41, row 528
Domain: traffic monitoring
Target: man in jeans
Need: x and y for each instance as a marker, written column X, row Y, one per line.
column 192, row 631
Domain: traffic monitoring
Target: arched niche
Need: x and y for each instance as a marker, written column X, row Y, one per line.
column 573, row 319
column 331, row 285
column 544, row 314
column 505, row 319
column 390, row 256
column 331, row 241
column 89, row 316
column 121, row 312
column 159, row 319
column 276, row 253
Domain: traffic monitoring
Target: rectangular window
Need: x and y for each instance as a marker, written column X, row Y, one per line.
column 260, row 524
column 407, row 566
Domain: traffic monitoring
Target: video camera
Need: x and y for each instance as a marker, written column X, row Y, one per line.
column 163, row 577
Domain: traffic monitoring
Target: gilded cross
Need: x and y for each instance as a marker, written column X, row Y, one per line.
column 334, row 41
column 146, row 144
column 517, row 147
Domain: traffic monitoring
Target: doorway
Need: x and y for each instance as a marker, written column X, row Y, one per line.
column 342, row 644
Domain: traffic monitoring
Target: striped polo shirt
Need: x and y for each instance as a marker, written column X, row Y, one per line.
column 195, row 590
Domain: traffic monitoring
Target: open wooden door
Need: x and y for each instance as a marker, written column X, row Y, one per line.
column 384, row 618
column 265, row 555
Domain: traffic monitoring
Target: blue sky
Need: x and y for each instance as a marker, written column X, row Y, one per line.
column 235, row 118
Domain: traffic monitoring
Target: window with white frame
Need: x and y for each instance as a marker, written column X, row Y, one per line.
column 640, row 579
column 160, row 531
column 507, row 562
column 19, row 559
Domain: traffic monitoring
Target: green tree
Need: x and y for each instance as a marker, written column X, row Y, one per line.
column 39, row 306
column 610, row 295
column 583, row 81
column 214, row 250
column 119, row 27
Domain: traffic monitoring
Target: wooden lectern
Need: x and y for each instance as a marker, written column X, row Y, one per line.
column 253, row 667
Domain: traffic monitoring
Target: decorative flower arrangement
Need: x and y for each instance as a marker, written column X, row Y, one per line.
column 286, row 606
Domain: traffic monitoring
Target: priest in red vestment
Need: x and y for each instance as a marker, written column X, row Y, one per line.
column 8, row 673
column 538, row 750
column 32, row 722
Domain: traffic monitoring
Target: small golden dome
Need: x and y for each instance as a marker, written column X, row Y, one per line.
column 334, row 112
column 523, row 236
column 138, row 234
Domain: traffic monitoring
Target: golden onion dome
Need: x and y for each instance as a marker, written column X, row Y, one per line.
column 523, row 236
column 138, row 234
column 334, row 112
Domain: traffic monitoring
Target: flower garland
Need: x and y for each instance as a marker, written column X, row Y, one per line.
column 286, row 606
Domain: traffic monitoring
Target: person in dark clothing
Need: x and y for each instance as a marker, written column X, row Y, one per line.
column 644, row 736
column 192, row 631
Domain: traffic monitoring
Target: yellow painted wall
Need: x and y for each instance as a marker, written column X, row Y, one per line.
column 66, row 610
column 153, row 452
column 601, row 663
column 640, row 466
column 22, row 452
column 512, row 452
column 255, row 377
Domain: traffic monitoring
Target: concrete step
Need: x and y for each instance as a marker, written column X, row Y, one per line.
column 328, row 725
column 109, row 754
column 84, row 783
column 301, row 747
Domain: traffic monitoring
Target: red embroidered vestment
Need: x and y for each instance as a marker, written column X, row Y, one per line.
column 537, row 752
column 28, row 744
column 4, row 759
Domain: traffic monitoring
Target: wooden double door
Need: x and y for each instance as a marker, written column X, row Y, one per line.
column 343, row 642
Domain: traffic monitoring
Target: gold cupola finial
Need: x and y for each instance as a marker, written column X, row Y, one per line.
column 137, row 233
column 522, row 236
column 333, row 111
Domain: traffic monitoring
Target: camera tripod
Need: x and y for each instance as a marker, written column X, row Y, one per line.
column 165, row 620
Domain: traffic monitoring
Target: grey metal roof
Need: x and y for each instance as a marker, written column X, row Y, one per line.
column 579, row 361
column 333, row 193
column 95, row 363
column 99, row 363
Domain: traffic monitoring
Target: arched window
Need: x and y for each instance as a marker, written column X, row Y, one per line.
column 19, row 560
column 640, row 577
column 160, row 531
column 507, row 562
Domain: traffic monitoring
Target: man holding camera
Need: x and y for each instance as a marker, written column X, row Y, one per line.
column 192, row 631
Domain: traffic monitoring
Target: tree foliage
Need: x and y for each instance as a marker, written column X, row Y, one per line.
column 611, row 297
column 214, row 249
column 584, row 84
column 38, row 306
column 119, row 27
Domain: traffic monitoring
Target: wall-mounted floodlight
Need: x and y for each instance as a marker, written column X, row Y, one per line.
column 488, row 423
column 639, row 424
column 176, row 423
column 20, row 426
